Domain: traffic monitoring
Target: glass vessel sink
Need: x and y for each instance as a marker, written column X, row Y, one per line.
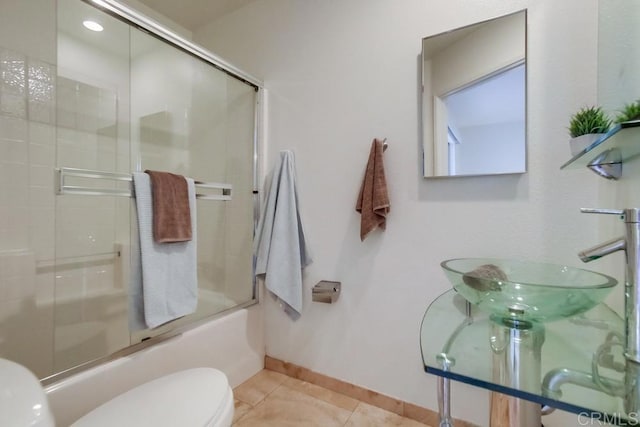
column 516, row 293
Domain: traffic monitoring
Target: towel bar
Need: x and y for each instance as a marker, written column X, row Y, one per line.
column 64, row 174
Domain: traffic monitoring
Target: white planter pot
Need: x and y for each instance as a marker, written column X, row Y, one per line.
column 578, row 144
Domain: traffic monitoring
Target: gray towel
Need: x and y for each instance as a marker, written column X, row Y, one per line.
column 280, row 246
column 169, row 280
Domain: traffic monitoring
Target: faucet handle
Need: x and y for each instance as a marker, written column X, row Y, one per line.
column 629, row 215
column 619, row 212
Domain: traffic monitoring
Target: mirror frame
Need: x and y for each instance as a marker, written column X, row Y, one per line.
column 430, row 153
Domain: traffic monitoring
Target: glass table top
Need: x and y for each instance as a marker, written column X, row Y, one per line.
column 448, row 333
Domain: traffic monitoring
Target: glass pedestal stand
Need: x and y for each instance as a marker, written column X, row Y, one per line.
column 461, row 343
column 517, row 348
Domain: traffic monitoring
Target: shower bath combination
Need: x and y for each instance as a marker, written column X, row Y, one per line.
column 134, row 96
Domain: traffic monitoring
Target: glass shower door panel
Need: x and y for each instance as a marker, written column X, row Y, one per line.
column 241, row 110
column 209, row 162
column 200, row 125
column 92, row 232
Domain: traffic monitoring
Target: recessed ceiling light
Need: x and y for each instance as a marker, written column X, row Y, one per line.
column 92, row 25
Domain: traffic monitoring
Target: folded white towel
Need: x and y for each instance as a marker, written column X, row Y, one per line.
column 169, row 270
column 280, row 246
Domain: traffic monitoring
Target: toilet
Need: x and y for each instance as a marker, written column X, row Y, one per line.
column 193, row 397
column 22, row 399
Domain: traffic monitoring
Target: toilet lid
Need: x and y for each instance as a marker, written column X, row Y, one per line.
column 194, row 397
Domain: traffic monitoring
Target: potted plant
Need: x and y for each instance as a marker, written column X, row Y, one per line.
column 586, row 126
column 629, row 112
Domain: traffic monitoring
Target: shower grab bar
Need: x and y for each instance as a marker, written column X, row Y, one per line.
column 42, row 265
column 63, row 187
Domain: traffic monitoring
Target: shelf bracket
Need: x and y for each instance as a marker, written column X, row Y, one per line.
column 608, row 164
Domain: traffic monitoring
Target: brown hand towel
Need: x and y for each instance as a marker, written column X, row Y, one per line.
column 171, row 213
column 373, row 200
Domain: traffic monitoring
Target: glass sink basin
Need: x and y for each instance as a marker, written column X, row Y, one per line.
column 518, row 292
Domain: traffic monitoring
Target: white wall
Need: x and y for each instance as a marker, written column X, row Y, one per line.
column 340, row 74
column 619, row 55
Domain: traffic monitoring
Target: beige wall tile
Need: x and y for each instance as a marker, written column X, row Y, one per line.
column 31, row 350
column 238, row 274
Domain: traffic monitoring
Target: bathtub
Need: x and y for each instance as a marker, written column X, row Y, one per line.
column 233, row 343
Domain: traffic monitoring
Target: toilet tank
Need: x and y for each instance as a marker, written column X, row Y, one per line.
column 22, row 398
column 193, row 397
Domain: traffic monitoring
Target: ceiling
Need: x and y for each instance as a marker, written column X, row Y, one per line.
column 192, row 14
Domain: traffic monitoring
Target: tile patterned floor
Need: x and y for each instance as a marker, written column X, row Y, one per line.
column 270, row 399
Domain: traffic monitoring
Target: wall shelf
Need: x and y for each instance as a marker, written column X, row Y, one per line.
column 607, row 154
column 569, row 343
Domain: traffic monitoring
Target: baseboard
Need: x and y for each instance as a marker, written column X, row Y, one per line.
column 405, row 409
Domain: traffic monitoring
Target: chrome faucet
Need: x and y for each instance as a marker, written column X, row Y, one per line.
column 630, row 244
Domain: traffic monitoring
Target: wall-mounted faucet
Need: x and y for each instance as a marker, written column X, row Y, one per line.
column 630, row 243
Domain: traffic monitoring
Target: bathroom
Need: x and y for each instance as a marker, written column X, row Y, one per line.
column 337, row 75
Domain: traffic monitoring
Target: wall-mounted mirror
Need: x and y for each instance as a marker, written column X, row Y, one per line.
column 474, row 99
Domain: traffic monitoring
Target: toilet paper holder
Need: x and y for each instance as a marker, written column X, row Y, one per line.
column 326, row 291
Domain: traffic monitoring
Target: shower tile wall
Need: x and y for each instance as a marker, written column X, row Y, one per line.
column 59, row 304
column 27, row 155
column 91, row 231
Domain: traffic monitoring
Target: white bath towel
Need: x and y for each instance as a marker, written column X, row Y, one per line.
column 169, row 270
column 280, row 247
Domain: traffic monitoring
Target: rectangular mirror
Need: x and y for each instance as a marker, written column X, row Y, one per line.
column 474, row 99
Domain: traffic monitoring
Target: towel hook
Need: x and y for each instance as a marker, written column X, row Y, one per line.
column 384, row 145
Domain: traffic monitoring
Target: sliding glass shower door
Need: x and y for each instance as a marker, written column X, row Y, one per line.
column 71, row 134
column 190, row 118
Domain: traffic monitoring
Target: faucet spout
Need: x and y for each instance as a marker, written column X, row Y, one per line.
column 603, row 249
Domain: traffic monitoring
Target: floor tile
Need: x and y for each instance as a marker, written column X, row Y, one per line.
column 370, row 416
column 286, row 407
column 240, row 410
column 256, row 388
column 337, row 399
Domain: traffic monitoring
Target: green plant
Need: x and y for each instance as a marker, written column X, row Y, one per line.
column 589, row 120
column 629, row 112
